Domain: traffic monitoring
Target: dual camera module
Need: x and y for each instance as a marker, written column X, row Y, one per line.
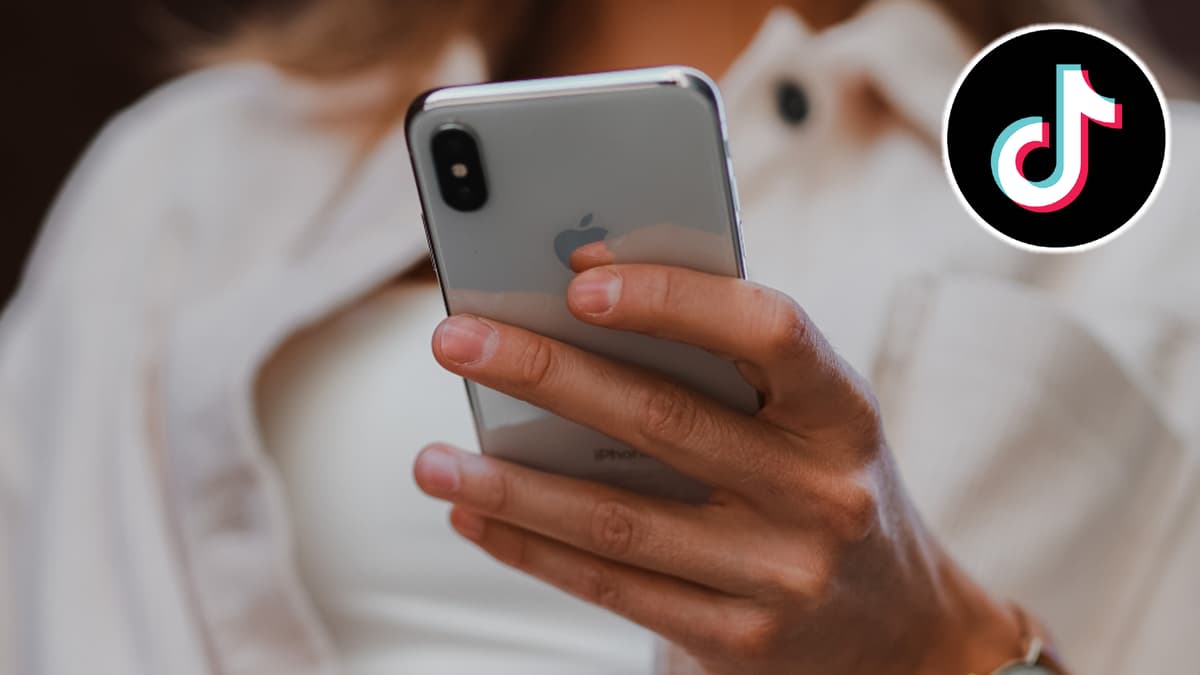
column 459, row 168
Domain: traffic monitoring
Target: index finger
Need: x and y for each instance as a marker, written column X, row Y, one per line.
column 735, row 318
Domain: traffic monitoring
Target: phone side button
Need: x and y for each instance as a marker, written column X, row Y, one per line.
column 429, row 245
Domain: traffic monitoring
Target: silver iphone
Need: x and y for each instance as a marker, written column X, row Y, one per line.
column 515, row 176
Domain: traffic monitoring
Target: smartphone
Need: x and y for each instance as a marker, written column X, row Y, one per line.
column 514, row 176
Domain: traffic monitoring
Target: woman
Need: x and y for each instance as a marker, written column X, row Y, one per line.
column 215, row 380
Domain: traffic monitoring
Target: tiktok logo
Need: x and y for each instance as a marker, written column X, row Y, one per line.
column 1086, row 152
column 1078, row 106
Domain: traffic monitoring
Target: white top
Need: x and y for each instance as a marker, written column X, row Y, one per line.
column 345, row 407
column 1042, row 408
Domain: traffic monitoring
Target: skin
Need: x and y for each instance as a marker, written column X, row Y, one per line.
column 809, row 556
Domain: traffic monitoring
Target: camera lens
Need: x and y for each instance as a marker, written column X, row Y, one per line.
column 459, row 168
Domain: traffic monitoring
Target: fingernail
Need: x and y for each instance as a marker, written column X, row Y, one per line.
column 465, row 339
column 438, row 472
column 467, row 524
column 596, row 291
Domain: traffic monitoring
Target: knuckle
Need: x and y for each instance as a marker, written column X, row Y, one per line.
column 786, row 329
column 804, row 579
column 614, row 527
column 853, row 513
column 494, row 492
column 820, row 582
column 668, row 414
column 600, row 587
column 661, row 291
column 756, row 637
column 856, row 399
column 785, row 580
column 537, row 363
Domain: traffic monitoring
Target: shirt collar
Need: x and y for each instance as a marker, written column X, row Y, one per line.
column 908, row 52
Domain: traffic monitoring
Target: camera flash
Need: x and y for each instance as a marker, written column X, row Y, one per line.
column 458, row 170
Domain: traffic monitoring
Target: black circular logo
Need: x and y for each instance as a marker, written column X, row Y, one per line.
column 1056, row 138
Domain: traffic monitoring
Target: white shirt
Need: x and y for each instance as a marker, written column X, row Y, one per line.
column 345, row 406
column 1042, row 409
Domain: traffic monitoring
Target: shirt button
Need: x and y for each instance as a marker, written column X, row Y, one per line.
column 792, row 102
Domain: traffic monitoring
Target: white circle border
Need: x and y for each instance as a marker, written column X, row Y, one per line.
column 970, row 67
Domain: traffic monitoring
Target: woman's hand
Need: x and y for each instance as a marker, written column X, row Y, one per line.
column 808, row 557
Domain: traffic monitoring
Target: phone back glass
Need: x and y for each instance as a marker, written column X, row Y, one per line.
column 636, row 158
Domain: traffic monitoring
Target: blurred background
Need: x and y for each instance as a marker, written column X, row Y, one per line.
column 66, row 67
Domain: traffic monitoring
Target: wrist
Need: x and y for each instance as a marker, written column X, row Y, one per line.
column 977, row 633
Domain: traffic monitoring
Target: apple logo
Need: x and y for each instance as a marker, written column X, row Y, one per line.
column 568, row 240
